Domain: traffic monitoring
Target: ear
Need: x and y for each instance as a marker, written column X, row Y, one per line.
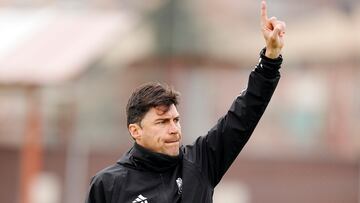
column 135, row 131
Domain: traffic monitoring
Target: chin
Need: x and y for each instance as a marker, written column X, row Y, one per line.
column 173, row 152
column 172, row 149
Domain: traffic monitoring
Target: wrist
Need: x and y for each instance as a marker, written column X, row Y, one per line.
column 272, row 53
column 264, row 59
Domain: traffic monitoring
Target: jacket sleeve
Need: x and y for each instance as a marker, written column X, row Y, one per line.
column 96, row 191
column 215, row 152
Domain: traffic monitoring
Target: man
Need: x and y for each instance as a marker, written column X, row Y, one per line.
column 157, row 168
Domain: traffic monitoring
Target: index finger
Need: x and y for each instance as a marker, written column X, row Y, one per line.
column 264, row 17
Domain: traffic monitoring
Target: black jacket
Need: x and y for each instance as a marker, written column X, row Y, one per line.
column 142, row 176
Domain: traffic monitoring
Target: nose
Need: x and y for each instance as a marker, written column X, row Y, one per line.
column 174, row 128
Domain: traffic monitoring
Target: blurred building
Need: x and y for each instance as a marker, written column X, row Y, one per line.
column 68, row 67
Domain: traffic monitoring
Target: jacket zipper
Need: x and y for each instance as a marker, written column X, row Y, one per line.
column 164, row 188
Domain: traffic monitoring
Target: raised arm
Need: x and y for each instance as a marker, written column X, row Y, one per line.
column 215, row 152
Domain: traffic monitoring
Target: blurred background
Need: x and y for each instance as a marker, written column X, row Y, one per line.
column 67, row 68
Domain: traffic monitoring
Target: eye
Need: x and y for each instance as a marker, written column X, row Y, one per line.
column 176, row 120
column 161, row 122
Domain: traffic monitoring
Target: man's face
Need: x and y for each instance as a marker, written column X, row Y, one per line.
column 160, row 131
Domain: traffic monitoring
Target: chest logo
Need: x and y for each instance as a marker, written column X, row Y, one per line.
column 179, row 184
column 140, row 199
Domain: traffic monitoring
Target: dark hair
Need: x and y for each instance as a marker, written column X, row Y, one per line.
column 147, row 96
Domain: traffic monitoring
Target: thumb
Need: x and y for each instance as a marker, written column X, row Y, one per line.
column 277, row 31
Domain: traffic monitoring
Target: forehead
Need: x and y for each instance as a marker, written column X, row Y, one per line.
column 163, row 111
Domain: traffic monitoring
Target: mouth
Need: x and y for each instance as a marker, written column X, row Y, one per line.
column 172, row 142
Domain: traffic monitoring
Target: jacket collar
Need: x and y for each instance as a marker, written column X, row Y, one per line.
column 143, row 159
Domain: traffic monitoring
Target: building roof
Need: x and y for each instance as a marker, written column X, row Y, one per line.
column 46, row 46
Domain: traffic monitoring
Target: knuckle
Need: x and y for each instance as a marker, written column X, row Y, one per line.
column 273, row 18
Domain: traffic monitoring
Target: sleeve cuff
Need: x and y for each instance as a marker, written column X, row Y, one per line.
column 277, row 61
column 268, row 67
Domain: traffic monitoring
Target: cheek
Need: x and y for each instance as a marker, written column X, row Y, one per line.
column 154, row 136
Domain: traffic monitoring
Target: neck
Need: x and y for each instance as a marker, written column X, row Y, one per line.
column 146, row 159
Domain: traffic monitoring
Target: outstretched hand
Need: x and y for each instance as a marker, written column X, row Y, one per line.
column 273, row 31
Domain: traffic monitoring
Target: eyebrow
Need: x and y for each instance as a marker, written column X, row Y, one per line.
column 167, row 118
